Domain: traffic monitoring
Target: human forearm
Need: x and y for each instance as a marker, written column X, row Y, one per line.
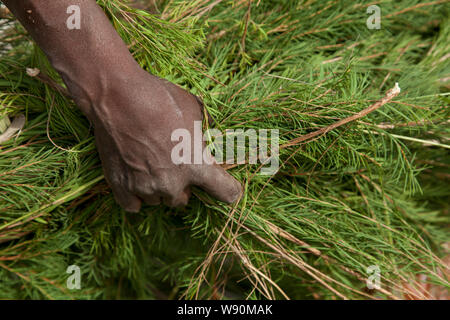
column 133, row 112
column 87, row 58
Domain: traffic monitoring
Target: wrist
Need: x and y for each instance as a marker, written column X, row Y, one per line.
column 89, row 58
column 94, row 91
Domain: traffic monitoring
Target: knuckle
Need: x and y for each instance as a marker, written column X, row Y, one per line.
column 170, row 185
column 142, row 185
column 143, row 188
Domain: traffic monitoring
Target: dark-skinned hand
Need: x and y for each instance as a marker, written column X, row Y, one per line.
column 133, row 112
column 133, row 136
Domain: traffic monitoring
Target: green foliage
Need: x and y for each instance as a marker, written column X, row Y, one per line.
column 372, row 192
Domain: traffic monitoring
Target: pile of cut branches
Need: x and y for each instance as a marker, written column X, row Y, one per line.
column 363, row 183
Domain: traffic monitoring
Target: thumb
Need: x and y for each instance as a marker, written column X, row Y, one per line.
column 218, row 183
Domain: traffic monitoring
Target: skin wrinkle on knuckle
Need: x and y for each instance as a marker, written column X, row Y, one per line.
column 175, row 194
column 144, row 188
